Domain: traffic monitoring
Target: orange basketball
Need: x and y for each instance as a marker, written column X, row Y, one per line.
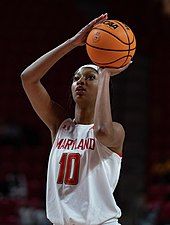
column 111, row 44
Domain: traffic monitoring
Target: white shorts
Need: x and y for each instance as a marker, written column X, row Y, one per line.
column 110, row 222
column 105, row 223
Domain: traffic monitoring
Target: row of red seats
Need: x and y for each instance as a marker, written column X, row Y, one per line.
column 9, row 209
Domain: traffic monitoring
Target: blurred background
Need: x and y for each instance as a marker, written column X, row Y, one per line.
column 29, row 29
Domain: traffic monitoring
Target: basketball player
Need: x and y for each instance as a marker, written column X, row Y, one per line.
column 85, row 159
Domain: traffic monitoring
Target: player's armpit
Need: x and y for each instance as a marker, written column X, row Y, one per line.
column 113, row 139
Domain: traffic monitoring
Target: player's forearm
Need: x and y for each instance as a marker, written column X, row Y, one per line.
column 102, row 115
column 38, row 69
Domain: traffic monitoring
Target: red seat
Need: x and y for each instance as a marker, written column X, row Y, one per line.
column 154, row 204
column 9, row 220
column 164, row 215
column 156, row 192
column 35, row 202
column 8, row 207
column 7, row 167
column 35, row 189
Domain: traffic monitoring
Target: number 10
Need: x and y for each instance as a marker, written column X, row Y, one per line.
column 69, row 168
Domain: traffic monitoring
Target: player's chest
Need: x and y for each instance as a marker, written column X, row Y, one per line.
column 76, row 141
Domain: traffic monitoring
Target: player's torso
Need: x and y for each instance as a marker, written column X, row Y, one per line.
column 71, row 151
column 80, row 175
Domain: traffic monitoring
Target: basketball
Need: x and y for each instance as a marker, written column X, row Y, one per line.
column 111, row 44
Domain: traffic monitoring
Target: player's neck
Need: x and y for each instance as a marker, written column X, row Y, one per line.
column 84, row 116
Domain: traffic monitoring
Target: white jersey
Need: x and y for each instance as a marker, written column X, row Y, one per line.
column 82, row 176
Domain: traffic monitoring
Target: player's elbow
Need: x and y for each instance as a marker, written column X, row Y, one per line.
column 28, row 78
column 24, row 77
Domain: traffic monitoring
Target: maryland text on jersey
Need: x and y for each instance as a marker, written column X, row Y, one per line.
column 82, row 144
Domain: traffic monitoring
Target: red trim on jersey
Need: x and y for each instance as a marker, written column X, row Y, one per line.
column 91, row 128
column 119, row 154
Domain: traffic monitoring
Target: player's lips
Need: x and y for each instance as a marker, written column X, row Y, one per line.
column 80, row 90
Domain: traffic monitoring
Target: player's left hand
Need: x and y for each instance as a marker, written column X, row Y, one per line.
column 112, row 72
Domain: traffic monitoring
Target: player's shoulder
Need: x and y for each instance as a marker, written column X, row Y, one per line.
column 64, row 125
column 119, row 136
column 118, row 127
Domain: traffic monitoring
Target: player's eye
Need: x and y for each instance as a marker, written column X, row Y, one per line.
column 76, row 78
column 90, row 77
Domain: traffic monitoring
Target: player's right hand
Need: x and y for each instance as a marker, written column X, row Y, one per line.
column 80, row 38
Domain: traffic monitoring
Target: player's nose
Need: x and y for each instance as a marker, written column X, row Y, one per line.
column 81, row 81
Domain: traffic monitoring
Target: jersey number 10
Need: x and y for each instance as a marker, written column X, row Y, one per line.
column 69, row 168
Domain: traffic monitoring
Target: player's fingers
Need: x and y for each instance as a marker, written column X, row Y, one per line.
column 117, row 71
column 125, row 67
column 114, row 72
column 101, row 18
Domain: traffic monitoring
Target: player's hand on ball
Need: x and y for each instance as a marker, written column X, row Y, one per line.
column 80, row 38
column 112, row 72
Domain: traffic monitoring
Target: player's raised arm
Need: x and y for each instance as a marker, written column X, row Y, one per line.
column 50, row 112
column 110, row 134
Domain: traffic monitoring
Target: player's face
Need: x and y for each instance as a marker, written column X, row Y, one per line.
column 85, row 85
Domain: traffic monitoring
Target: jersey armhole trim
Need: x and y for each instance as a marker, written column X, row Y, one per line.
column 109, row 150
column 119, row 154
column 59, row 129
